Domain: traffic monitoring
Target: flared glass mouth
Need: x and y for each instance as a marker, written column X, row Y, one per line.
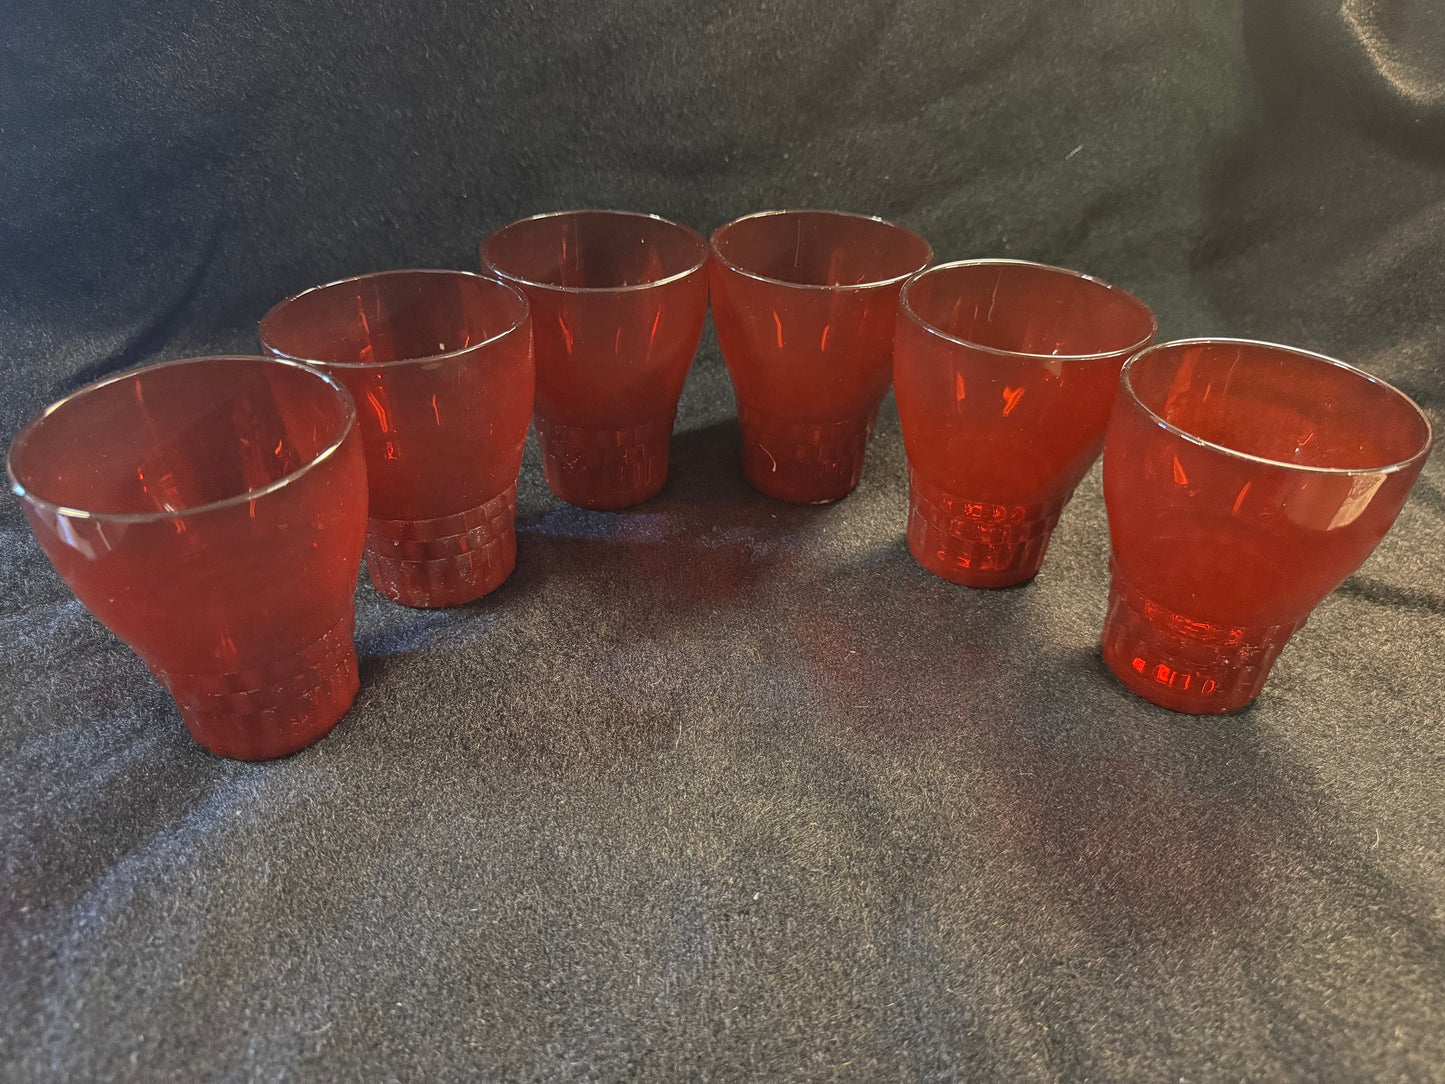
column 593, row 252
column 1016, row 308
column 385, row 318
column 122, row 441
column 805, row 249
column 1278, row 405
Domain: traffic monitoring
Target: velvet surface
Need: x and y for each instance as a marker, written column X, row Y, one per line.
column 720, row 787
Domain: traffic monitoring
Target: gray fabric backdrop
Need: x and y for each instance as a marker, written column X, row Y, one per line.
column 722, row 788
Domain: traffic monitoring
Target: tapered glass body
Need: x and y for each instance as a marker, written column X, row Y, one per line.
column 804, row 304
column 440, row 366
column 1244, row 482
column 1004, row 374
column 618, row 302
column 210, row 512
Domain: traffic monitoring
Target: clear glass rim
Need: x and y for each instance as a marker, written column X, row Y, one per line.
column 371, row 276
column 1126, row 383
column 872, row 284
column 1129, row 350
column 676, row 276
column 348, row 423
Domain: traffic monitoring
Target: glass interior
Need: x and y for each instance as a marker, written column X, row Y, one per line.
column 391, row 316
column 593, row 250
column 1029, row 309
column 179, row 435
column 821, row 248
column 1279, row 404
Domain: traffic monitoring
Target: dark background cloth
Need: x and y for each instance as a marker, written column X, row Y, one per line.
column 719, row 787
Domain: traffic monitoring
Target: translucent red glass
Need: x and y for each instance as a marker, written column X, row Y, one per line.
column 1004, row 372
column 618, row 302
column 1244, row 482
column 804, row 305
column 210, row 512
column 440, row 366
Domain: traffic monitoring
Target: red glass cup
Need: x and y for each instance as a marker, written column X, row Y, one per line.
column 1244, row 482
column 1004, row 372
column 804, row 306
column 618, row 301
column 440, row 366
column 210, row 512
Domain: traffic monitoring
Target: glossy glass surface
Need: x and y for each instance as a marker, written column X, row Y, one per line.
column 618, row 302
column 440, row 366
column 1244, row 482
column 210, row 512
column 1004, row 373
column 804, row 306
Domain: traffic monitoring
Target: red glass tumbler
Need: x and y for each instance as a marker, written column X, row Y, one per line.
column 618, row 302
column 210, row 512
column 804, row 304
column 440, row 366
column 1244, row 481
column 1004, row 372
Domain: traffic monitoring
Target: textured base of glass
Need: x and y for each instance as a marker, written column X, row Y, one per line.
column 802, row 462
column 445, row 561
column 272, row 710
column 976, row 543
column 1185, row 665
column 604, row 468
